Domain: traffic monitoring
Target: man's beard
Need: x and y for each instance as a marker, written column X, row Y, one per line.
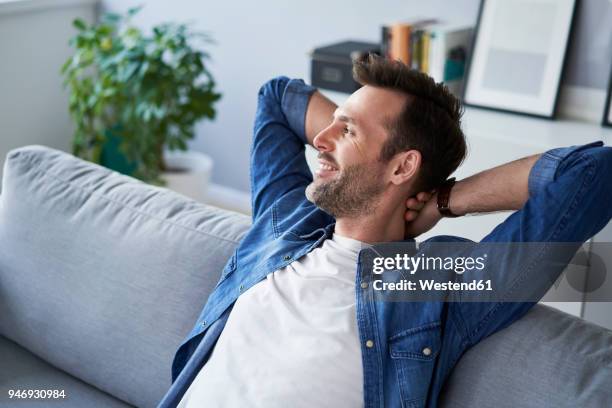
column 355, row 192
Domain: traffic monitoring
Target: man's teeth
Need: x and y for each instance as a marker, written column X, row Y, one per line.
column 327, row 167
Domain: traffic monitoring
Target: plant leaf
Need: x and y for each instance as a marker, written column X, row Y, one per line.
column 79, row 24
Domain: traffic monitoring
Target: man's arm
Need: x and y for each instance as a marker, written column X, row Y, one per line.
column 278, row 163
column 501, row 188
column 564, row 197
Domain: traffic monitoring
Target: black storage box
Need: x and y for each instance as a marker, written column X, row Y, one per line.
column 331, row 66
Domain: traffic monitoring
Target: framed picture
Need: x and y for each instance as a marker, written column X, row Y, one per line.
column 518, row 55
column 607, row 116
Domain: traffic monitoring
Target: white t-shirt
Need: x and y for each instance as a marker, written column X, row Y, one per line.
column 291, row 339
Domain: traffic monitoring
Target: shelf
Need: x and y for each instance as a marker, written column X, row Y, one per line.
column 20, row 6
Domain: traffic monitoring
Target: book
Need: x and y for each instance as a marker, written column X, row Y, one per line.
column 425, row 50
column 437, row 48
column 399, row 39
column 399, row 47
column 449, row 46
column 415, row 49
column 385, row 40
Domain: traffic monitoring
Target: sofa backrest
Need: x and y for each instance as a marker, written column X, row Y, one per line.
column 547, row 358
column 102, row 275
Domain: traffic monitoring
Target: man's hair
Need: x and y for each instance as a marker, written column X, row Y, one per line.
column 429, row 122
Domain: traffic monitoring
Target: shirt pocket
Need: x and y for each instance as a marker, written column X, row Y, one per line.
column 413, row 353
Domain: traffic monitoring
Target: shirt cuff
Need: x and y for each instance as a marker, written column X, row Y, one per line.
column 294, row 105
column 544, row 170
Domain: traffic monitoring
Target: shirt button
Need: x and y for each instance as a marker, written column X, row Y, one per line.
column 203, row 324
column 364, row 285
column 427, row 351
column 369, row 344
column 286, row 257
column 241, row 288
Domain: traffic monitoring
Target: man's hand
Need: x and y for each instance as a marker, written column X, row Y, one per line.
column 421, row 214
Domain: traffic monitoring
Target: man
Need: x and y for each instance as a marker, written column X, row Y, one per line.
column 292, row 321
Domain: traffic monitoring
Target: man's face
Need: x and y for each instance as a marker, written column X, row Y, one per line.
column 351, row 179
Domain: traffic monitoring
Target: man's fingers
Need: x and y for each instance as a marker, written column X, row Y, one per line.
column 423, row 196
column 411, row 215
column 417, row 200
column 414, row 204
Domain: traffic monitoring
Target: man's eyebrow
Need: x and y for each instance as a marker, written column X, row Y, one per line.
column 344, row 118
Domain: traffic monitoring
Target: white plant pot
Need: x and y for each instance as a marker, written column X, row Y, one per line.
column 188, row 173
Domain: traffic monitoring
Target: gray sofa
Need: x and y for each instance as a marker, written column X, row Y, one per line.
column 101, row 277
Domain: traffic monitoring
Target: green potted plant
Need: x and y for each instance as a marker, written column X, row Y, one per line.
column 134, row 98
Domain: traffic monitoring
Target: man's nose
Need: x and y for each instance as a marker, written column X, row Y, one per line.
column 325, row 140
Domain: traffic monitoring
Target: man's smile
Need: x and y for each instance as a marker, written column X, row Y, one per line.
column 326, row 169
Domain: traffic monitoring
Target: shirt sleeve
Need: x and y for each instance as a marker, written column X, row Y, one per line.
column 544, row 171
column 294, row 104
column 278, row 160
column 569, row 202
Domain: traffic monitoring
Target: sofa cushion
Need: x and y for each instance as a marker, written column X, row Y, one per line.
column 102, row 275
column 546, row 359
column 22, row 370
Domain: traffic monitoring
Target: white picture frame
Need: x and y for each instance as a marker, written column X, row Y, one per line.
column 518, row 55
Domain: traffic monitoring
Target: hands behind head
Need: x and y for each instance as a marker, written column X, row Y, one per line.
column 421, row 214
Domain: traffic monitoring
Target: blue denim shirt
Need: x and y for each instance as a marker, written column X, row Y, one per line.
column 569, row 202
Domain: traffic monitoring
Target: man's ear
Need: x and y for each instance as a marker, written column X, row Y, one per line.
column 405, row 166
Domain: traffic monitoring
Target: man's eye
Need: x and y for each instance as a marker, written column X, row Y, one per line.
column 347, row 131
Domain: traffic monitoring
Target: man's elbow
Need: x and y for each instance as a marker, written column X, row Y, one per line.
column 600, row 160
column 274, row 88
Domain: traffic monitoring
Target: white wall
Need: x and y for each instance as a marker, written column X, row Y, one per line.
column 260, row 39
column 33, row 46
column 256, row 40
